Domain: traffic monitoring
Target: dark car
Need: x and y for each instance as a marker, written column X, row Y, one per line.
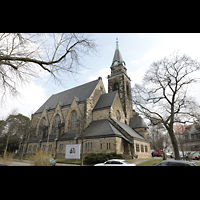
column 175, row 163
column 1, row 164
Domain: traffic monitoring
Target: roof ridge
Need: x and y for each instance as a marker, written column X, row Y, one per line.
column 75, row 87
column 66, row 96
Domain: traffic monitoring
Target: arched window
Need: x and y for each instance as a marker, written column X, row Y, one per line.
column 42, row 125
column 116, row 86
column 73, row 120
column 118, row 116
column 56, row 123
column 127, row 90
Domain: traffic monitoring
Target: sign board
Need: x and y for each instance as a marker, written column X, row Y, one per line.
column 72, row 151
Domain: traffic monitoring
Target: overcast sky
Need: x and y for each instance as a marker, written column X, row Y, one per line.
column 138, row 51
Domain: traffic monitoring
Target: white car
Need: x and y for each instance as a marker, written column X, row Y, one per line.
column 115, row 162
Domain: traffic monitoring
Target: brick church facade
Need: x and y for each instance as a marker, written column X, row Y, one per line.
column 87, row 115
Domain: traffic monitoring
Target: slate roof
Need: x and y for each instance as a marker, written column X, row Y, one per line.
column 137, row 122
column 106, row 100
column 102, row 128
column 66, row 97
column 129, row 130
column 97, row 129
column 117, row 56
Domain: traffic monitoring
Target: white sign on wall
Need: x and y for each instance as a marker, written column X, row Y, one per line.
column 72, row 151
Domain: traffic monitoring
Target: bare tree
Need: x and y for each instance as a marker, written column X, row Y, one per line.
column 156, row 137
column 163, row 96
column 25, row 55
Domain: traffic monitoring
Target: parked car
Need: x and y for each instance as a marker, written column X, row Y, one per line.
column 1, row 164
column 158, row 153
column 115, row 162
column 192, row 155
column 188, row 155
column 180, row 153
column 175, row 163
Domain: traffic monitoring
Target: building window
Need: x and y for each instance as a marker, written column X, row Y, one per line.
column 146, row 149
column 61, row 147
column 50, row 147
column 29, row 148
column 127, row 89
column 34, row 148
column 108, row 145
column 41, row 127
column 56, row 123
column 118, row 116
column 85, row 146
column 137, row 148
column 73, row 121
column 116, row 86
column 101, row 145
column 142, row 148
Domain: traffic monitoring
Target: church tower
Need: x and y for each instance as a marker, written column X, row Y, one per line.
column 119, row 80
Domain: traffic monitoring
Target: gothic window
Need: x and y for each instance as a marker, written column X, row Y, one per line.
column 42, row 125
column 127, row 90
column 73, row 120
column 56, row 123
column 118, row 116
column 116, row 86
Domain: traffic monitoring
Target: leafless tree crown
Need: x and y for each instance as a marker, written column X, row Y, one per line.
column 163, row 96
column 164, row 92
column 23, row 56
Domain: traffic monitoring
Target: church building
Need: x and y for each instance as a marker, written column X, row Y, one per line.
column 87, row 115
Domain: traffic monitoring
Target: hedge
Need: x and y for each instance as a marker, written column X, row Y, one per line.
column 95, row 158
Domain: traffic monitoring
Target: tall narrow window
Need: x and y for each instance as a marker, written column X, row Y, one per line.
column 142, row 148
column 116, row 86
column 73, row 121
column 56, row 123
column 118, row 116
column 41, row 128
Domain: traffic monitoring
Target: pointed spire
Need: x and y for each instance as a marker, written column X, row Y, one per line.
column 117, row 46
column 117, row 59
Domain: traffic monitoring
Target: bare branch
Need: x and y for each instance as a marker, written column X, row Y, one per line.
column 22, row 55
column 163, row 96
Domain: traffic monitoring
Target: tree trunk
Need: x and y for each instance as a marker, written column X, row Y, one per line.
column 174, row 144
column 7, row 141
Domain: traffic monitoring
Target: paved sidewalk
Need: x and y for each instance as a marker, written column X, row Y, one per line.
column 20, row 164
column 138, row 161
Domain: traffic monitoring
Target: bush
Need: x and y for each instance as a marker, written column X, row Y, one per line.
column 7, row 158
column 95, row 158
column 41, row 159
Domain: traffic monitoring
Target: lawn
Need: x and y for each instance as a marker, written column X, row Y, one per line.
column 150, row 162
